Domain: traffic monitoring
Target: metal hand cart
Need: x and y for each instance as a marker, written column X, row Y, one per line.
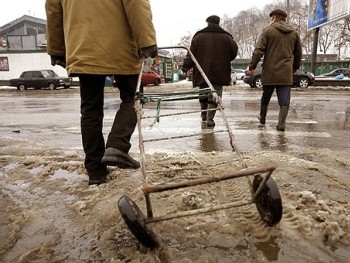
column 264, row 192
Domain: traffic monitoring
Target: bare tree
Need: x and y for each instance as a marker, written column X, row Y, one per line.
column 246, row 26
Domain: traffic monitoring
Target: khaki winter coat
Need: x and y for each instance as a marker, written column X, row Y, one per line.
column 280, row 46
column 214, row 49
column 99, row 36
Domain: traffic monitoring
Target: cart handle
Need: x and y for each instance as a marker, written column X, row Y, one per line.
column 215, row 95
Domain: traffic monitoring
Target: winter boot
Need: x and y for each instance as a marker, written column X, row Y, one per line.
column 116, row 157
column 211, row 115
column 281, row 126
column 204, row 108
column 262, row 115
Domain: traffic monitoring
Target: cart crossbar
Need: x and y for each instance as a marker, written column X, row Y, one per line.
column 147, row 188
column 198, row 211
column 188, row 95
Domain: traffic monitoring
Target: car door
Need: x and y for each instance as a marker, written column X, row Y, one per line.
column 146, row 77
column 28, row 78
column 38, row 79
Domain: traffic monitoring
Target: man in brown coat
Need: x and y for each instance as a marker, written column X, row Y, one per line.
column 94, row 39
column 279, row 45
column 214, row 49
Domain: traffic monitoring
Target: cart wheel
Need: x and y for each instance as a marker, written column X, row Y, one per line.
column 268, row 202
column 135, row 220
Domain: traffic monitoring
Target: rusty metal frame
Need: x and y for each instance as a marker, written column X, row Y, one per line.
column 148, row 188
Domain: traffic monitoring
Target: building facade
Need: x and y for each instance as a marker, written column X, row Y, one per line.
column 23, row 47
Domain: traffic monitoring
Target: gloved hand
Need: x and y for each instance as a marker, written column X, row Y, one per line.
column 249, row 71
column 147, row 52
column 58, row 60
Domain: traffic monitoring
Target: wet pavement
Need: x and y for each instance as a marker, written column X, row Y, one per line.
column 318, row 118
column 50, row 214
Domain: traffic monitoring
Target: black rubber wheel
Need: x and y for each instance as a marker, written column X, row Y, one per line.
column 258, row 83
column 135, row 220
column 268, row 202
column 156, row 82
column 52, row 86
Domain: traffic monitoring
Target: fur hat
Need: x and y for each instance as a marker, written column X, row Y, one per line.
column 278, row 12
column 213, row 19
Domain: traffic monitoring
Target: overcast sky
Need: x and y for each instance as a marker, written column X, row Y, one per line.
column 172, row 19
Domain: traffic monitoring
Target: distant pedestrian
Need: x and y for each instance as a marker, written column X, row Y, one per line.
column 340, row 76
column 94, row 39
column 214, row 49
column 280, row 46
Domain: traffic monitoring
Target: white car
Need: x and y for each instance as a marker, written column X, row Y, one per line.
column 240, row 73
column 233, row 78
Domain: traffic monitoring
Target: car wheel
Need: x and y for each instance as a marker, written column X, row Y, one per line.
column 304, row 82
column 66, row 86
column 257, row 82
column 21, row 87
column 52, row 86
column 156, row 82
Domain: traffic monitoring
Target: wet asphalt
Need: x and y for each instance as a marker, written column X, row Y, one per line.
column 319, row 118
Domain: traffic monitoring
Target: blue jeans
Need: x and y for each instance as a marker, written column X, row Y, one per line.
column 283, row 94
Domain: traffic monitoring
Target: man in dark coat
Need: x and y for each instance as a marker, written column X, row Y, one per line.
column 280, row 45
column 214, row 49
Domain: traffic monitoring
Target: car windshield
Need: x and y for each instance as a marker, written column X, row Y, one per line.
column 48, row 73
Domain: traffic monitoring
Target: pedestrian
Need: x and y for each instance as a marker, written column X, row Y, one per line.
column 279, row 45
column 214, row 49
column 94, row 39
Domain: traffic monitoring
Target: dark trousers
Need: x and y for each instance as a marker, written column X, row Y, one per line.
column 283, row 94
column 91, row 108
column 125, row 119
column 217, row 88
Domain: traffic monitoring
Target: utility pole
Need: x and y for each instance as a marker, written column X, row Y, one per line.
column 314, row 51
column 287, row 11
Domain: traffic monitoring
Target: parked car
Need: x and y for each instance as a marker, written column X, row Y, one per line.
column 301, row 78
column 336, row 72
column 38, row 79
column 240, row 73
column 149, row 77
column 233, row 78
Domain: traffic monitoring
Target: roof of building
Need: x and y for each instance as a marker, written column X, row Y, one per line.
column 13, row 24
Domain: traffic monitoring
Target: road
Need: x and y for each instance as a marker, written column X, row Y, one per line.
column 317, row 118
column 48, row 213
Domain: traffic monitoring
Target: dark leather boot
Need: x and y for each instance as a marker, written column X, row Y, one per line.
column 282, row 116
column 116, row 157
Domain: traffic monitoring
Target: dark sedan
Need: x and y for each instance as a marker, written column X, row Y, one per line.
column 38, row 79
column 301, row 78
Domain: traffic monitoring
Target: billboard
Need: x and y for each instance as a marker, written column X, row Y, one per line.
column 4, row 64
column 323, row 12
